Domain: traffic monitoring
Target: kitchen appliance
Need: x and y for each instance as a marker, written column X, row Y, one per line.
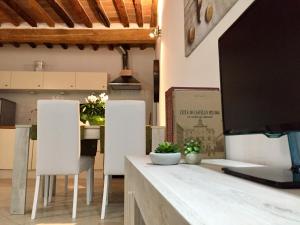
column 7, row 112
column 125, row 81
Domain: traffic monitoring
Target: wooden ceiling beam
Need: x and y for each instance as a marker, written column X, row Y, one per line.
column 14, row 6
column 100, row 13
column 8, row 11
column 77, row 36
column 61, row 12
column 153, row 22
column 111, row 47
column 121, row 11
column 143, row 47
column 80, row 46
column 79, row 9
column 126, row 46
column 138, row 12
column 95, row 47
column 16, row 44
column 32, row 45
column 48, row 45
column 64, row 46
column 36, row 7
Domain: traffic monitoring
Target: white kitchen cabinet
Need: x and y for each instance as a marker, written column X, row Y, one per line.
column 7, row 148
column 5, row 77
column 91, row 81
column 38, row 80
column 26, row 80
column 7, row 143
column 59, row 80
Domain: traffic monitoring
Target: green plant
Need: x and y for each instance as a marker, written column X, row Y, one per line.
column 192, row 146
column 94, row 106
column 167, row 147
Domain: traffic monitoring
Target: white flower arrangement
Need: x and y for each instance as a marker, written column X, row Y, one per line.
column 94, row 106
column 91, row 99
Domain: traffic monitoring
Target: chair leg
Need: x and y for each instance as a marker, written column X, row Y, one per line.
column 66, row 183
column 36, row 196
column 42, row 187
column 109, row 188
column 92, row 185
column 54, row 186
column 46, row 191
column 75, row 195
column 104, row 198
column 51, row 188
column 88, row 186
column 92, row 180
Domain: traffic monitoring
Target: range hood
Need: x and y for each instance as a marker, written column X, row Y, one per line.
column 125, row 81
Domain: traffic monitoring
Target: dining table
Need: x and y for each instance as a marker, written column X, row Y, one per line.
column 25, row 133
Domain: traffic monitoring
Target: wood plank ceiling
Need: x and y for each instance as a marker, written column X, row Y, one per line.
column 78, row 22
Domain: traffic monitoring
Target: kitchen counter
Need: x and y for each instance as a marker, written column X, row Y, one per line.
column 192, row 194
column 7, row 127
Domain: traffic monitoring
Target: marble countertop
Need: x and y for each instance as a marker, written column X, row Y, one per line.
column 206, row 197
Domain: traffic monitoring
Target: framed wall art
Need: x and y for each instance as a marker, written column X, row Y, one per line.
column 200, row 17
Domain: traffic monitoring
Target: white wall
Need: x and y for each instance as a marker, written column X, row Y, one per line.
column 73, row 59
column 201, row 69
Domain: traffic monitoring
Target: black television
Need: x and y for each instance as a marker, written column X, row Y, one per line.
column 259, row 58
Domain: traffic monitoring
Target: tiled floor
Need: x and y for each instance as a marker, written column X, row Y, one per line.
column 59, row 211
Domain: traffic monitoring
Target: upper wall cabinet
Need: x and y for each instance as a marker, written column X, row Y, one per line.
column 92, row 81
column 59, row 80
column 5, row 77
column 26, row 80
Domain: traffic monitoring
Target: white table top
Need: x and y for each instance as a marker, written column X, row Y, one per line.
column 229, row 163
column 206, row 197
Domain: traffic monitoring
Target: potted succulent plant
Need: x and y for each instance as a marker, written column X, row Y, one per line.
column 166, row 153
column 192, row 149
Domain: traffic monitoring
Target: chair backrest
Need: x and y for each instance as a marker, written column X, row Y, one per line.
column 125, row 133
column 58, row 137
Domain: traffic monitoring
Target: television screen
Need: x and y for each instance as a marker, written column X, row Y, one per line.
column 260, row 69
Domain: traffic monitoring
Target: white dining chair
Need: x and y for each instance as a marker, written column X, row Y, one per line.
column 125, row 134
column 58, row 147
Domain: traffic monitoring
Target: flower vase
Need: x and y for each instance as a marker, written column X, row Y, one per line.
column 96, row 120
